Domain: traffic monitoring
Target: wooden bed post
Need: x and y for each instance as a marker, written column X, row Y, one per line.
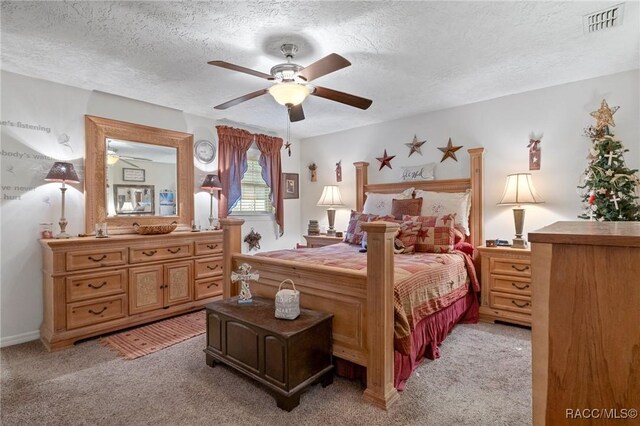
column 361, row 182
column 231, row 244
column 380, row 322
column 476, row 166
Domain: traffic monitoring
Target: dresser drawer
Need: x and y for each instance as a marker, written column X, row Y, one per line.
column 176, row 251
column 208, row 267
column 90, row 286
column 81, row 314
column 213, row 246
column 515, row 285
column 208, row 287
column 77, row 260
column 513, row 267
column 510, row 302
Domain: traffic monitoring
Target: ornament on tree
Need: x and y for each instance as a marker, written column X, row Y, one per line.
column 609, row 189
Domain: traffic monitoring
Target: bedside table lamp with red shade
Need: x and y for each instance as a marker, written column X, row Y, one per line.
column 212, row 183
column 519, row 190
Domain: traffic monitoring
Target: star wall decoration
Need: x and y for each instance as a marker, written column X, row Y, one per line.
column 604, row 115
column 414, row 145
column 385, row 160
column 449, row 151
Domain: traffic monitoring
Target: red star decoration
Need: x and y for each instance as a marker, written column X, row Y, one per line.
column 385, row 160
column 449, row 151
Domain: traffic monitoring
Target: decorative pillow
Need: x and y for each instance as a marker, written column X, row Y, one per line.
column 408, row 235
column 435, row 234
column 440, row 203
column 458, row 236
column 410, row 207
column 422, row 172
column 380, row 204
column 354, row 232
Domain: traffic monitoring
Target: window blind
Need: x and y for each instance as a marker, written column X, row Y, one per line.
column 255, row 196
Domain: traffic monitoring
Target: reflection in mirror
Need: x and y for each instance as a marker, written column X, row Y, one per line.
column 141, row 179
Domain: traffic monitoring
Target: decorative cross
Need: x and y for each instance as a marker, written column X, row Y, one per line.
column 615, row 200
column 610, row 155
column 243, row 276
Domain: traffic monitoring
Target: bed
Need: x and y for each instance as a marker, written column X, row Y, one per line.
column 362, row 300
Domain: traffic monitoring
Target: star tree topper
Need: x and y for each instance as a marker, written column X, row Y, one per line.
column 415, row 145
column 604, row 115
column 449, row 151
column 385, row 160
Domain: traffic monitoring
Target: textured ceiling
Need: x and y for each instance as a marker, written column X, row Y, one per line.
column 409, row 57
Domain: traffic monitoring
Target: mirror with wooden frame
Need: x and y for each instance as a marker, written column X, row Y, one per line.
column 132, row 163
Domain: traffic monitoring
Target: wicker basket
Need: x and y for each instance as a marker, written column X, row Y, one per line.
column 155, row 229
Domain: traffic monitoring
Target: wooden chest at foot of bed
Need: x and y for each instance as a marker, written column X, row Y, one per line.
column 285, row 356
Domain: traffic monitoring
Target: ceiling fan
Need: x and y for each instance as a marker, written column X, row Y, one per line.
column 292, row 86
column 113, row 157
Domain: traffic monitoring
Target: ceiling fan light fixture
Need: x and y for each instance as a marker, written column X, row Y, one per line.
column 289, row 93
column 112, row 157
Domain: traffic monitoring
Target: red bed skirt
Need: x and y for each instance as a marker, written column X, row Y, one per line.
column 426, row 339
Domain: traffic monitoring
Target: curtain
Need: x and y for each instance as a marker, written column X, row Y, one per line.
column 271, row 171
column 233, row 145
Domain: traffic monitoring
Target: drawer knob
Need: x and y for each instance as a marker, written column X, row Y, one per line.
column 91, row 311
column 97, row 286
column 211, row 246
column 213, row 267
column 150, row 252
column 212, row 284
column 174, row 251
column 98, row 259
column 524, row 268
column 520, row 288
column 524, row 305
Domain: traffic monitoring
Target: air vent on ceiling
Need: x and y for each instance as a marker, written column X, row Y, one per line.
column 603, row 19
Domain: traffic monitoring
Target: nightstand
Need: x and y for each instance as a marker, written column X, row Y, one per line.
column 506, row 285
column 321, row 240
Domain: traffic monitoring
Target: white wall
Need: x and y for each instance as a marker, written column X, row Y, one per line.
column 502, row 127
column 55, row 114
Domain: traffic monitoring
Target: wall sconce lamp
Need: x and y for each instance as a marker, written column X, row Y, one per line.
column 331, row 198
column 62, row 172
column 519, row 190
column 212, row 183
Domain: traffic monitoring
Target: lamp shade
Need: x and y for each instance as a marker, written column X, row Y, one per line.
column 62, row 172
column 330, row 197
column 519, row 189
column 211, row 182
column 289, row 93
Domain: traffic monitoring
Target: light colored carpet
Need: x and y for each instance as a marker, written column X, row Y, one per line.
column 482, row 378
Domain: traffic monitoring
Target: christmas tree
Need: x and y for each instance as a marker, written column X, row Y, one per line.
column 608, row 187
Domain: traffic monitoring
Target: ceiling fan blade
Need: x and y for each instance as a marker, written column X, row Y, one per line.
column 246, row 97
column 324, row 66
column 296, row 113
column 134, row 158
column 129, row 163
column 233, row 67
column 344, row 98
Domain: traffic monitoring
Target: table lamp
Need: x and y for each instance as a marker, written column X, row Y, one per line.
column 62, row 172
column 212, row 183
column 519, row 190
column 331, row 198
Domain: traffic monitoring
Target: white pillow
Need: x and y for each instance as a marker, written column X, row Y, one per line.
column 380, row 204
column 439, row 203
column 422, row 172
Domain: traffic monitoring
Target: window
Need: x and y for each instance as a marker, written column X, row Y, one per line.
column 256, row 195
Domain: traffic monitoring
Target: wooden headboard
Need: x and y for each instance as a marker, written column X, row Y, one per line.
column 475, row 183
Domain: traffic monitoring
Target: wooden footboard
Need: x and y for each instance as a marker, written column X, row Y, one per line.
column 362, row 303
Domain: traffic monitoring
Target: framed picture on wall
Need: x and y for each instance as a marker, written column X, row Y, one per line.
column 290, row 186
column 132, row 175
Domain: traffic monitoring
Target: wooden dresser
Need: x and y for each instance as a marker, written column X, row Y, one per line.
column 586, row 323
column 94, row 286
column 506, row 285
